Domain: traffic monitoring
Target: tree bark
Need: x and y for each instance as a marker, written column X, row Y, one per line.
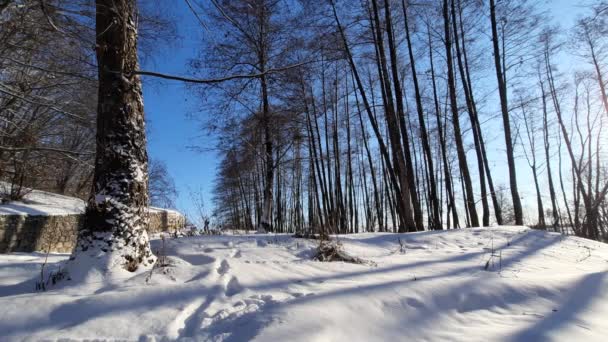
column 116, row 213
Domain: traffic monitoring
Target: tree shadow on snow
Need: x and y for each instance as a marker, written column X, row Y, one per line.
column 239, row 327
column 252, row 323
column 577, row 301
column 463, row 297
column 85, row 309
column 28, row 286
column 531, row 241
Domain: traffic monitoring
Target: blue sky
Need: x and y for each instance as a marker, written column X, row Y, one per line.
column 168, row 105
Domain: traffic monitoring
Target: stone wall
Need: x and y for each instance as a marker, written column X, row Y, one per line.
column 165, row 221
column 23, row 233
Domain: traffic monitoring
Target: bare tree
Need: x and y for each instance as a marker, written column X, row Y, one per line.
column 161, row 186
column 500, row 68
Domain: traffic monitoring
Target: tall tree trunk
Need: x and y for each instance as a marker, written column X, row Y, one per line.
column 116, row 214
column 266, row 220
column 561, row 180
column 279, row 205
column 402, row 165
column 547, row 148
column 322, row 176
column 504, row 108
column 340, row 210
column 368, row 109
column 315, row 165
column 472, row 110
column 400, row 114
column 598, row 71
column 476, row 123
column 350, row 189
column 371, row 165
column 434, row 202
column 269, row 167
column 530, row 133
column 443, row 146
column 462, row 157
column 330, row 185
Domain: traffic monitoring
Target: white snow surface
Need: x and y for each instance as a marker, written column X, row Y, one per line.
column 38, row 203
column 538, row 286
column 42, row 203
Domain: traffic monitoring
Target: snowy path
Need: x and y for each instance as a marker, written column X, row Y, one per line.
column 500, row 284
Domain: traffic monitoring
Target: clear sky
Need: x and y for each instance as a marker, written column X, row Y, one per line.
column 169, row 104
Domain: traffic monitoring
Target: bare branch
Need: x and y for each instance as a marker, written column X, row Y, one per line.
column 7, row 90
column 221, row 79
column 48, row 17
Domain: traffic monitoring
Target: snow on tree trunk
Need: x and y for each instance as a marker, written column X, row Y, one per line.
column 113, row 237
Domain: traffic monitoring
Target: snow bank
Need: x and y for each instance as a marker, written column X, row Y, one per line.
column 42, row 203
column 38, row 203
column 498, row 284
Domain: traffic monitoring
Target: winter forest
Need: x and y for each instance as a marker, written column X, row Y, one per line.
column 343, row 130
column 338, row 117
column 378, row 117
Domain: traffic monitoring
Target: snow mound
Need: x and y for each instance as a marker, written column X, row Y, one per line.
column 496, row 284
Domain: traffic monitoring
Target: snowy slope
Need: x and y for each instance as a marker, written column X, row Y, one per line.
column 539, row 286
column 37, row 203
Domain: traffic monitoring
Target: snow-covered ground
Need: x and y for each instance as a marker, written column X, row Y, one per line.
column 538, row 286
column 36, row 203
column 43, row 203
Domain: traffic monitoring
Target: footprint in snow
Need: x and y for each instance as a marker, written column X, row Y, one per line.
column 413, row 302
column 301, row 294
column 198, row 277
column 223, row 268
column 258, row 297
column 233, row 287
column 197, row 259
column 220, row 326
column 262, row 243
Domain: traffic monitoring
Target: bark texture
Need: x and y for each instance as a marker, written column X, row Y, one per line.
column 115, row 218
